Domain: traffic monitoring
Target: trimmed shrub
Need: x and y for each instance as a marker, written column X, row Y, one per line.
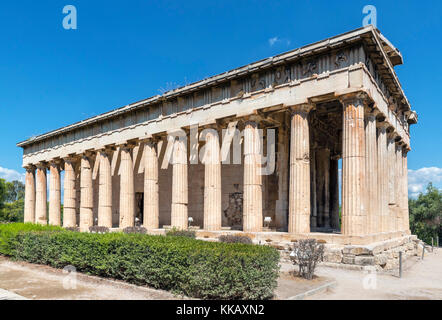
column 9, row 232
column 174, row 232
column 201, row 269
column 140, row 230
column 235, row 239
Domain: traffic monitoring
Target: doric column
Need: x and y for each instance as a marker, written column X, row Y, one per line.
column 54, row 194
column 323, row 187
column 391, row 149
column 398, row 188
column 151, row 188
column 41, row 196
column 29, row 214
column 180, row 195
column 334, row 194
column 353, row 168
column 383, row 176
column 252, row 210
column 212, row 181
column 127, row 188
column 406, row 217
column 70, row 194
column 86, row 197
column 282, row 204
column 371, row 167
column 314, row 217
column 299, row 197
column 105, row 189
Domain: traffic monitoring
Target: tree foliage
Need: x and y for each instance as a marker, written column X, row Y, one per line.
column 12, row 195
column 426, row 214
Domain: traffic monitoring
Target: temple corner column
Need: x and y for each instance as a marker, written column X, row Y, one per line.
column 29, row 207
column 41, row 196
column 354, row 204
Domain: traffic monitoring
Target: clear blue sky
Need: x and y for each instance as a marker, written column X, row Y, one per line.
column 126, row 51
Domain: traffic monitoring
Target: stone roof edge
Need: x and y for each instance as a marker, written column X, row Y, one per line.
column 228, row 75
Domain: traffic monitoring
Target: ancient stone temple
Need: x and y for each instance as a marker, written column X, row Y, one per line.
column 260, row 149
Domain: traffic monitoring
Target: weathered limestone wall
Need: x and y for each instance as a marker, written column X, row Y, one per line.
column 383, row 255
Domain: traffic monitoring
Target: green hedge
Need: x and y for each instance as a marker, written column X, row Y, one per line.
column 201, row 269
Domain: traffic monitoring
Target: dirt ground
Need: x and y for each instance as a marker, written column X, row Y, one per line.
column 421, row 280
column 46, row 283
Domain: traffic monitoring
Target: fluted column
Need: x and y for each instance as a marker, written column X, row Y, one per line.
column 353, row 168
column 406, row 217
column 41, row 196
column 371, row 167
column 29, row 214
column 70, row 194
column 54, row 194
column 127, row 189
column 391, row 147
column 383, row 176
column 398, row 188
column 299, row 197
column 212, row 182
column 252, row 209
column 151, row 188
column 334, row 194
column 105, row 190
column 323, row 186
column 180, row 192
column 86, row 195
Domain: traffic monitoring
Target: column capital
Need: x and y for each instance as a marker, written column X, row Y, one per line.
column 129, row 144
column 382, row 124
column 353, row 97
column 88, row 154
column 107, row 150
column 55, row 162
column 252, row 118
column 70, row 159
column 371, row 111
column 42, row 165
column 29, row 167
column 301, row 108
column 151, row 139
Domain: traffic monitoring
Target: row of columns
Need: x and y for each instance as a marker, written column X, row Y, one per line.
column 374, row 180
column 374, row 172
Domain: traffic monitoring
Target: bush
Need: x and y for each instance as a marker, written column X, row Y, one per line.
column 9, row 232
column 201, row 269
column 140, row 230
column 181, row 233
column 306, row 254
column 235, row 239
